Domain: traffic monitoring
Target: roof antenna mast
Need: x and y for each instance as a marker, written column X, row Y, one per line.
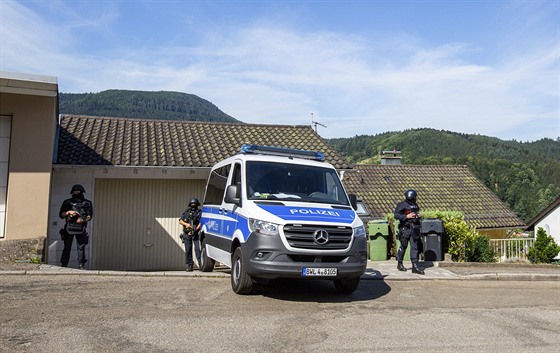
column 315, row 123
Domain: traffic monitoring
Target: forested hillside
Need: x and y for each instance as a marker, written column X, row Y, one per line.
column 141, row 104
column 525, row 175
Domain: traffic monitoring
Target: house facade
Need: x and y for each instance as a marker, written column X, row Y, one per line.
column 28, row 118
column 549, row 220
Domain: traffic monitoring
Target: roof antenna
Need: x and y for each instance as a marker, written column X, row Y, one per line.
column 315, row 123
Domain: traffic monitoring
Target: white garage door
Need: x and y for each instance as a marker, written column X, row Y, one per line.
column 136, row 223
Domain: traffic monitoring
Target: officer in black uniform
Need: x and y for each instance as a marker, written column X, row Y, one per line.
column 190, row 220
column 408, row 214
column 77, row 211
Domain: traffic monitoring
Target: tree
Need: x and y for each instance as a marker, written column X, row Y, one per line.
column 545, row 248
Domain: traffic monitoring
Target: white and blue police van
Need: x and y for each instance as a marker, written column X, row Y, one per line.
column 271, row 212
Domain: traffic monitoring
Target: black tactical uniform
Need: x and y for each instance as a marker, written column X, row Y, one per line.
column 77, row 211
column 190, row 219
column 408, row 214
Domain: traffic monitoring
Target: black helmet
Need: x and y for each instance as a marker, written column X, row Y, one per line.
column 194, row 201
column 410, row 194
column 77, row 187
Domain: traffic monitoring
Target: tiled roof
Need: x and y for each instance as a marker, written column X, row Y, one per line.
column 88, row 140
column 439, row 187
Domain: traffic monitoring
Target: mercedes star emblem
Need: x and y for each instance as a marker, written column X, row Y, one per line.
column 321, row 237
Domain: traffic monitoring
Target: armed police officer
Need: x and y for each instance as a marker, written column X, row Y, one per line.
column 190, row 220
column 77, row 211
column 408, row 214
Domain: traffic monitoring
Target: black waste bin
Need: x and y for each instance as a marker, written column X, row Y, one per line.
column 431, row 232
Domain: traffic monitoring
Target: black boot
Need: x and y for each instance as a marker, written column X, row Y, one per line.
column 189, row 268
column 400, row 267
column 416, row 269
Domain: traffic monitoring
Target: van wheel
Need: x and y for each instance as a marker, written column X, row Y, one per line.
column 241, row 282
column 207, row 264
column 347, row 285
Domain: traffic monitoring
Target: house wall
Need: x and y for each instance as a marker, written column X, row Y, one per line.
column 498, row 233
column 30, row 159
column 551, row 224
column 90, row 177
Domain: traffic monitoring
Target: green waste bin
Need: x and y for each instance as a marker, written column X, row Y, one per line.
column 378, row 240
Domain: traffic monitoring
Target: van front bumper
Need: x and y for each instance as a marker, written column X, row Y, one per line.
column 266, row 257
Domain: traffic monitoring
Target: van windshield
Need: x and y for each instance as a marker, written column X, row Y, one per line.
column 294, row 182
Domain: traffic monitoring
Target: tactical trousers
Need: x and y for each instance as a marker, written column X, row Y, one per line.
column 82, row 240
column 408, row 235
column 189, row 241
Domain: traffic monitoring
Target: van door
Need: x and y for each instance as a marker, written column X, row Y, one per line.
column 213, row 205
column 230, row 223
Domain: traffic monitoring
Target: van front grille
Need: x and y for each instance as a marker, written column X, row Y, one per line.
column 303, row 236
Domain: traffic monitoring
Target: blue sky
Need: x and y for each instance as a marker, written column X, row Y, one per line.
column 487, row 67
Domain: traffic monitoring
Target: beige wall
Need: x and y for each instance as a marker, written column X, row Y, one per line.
column 498, row 233
column 30, row 165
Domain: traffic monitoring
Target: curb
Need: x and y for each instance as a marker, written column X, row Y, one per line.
column 512, row 277
column 369, row 276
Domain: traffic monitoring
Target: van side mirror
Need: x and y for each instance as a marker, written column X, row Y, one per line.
column 232, row 195
column 353, row 201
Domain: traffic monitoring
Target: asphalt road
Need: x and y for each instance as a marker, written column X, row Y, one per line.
column 45, row 313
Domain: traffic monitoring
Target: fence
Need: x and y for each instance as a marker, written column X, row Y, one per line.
column 511, row 248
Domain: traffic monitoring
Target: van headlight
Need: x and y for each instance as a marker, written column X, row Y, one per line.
column 359, row 232
column 263, row 227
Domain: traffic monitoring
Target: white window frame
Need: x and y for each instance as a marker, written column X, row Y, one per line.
column 5, row 134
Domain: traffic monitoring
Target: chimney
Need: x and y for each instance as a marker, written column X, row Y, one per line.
column 391, row 157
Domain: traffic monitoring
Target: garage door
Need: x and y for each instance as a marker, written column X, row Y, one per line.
column 136, row 223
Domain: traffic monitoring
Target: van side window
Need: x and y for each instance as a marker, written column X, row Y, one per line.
column 236, row 178
column 217, row 185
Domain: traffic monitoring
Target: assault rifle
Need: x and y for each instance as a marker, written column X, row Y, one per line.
column 82, row 213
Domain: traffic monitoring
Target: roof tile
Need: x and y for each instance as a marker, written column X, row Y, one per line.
column 93, row 140
column 439, row 187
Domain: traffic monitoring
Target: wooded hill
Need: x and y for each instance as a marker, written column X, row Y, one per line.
column 142, row 104
column 525, row 175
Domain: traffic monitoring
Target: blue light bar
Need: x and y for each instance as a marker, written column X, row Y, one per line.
column 281, row 151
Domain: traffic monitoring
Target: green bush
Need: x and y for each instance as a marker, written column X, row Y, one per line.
column 481, row 251
column 544, row 249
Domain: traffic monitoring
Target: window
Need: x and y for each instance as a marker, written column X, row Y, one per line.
column 236, row 178
column 294, row 182
column 362, row 209
column 217, row 185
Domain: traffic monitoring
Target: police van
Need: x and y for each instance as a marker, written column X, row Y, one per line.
column 271, row 212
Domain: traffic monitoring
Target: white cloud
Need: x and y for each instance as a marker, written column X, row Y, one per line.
column 272, row 74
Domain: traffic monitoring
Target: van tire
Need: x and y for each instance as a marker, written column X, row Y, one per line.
column 241, row 282
column 207, row 264
column 346, row 285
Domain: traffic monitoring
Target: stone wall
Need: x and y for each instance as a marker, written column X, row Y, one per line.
column 22, row 250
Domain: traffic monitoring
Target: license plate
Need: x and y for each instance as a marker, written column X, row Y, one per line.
column 319, row 272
